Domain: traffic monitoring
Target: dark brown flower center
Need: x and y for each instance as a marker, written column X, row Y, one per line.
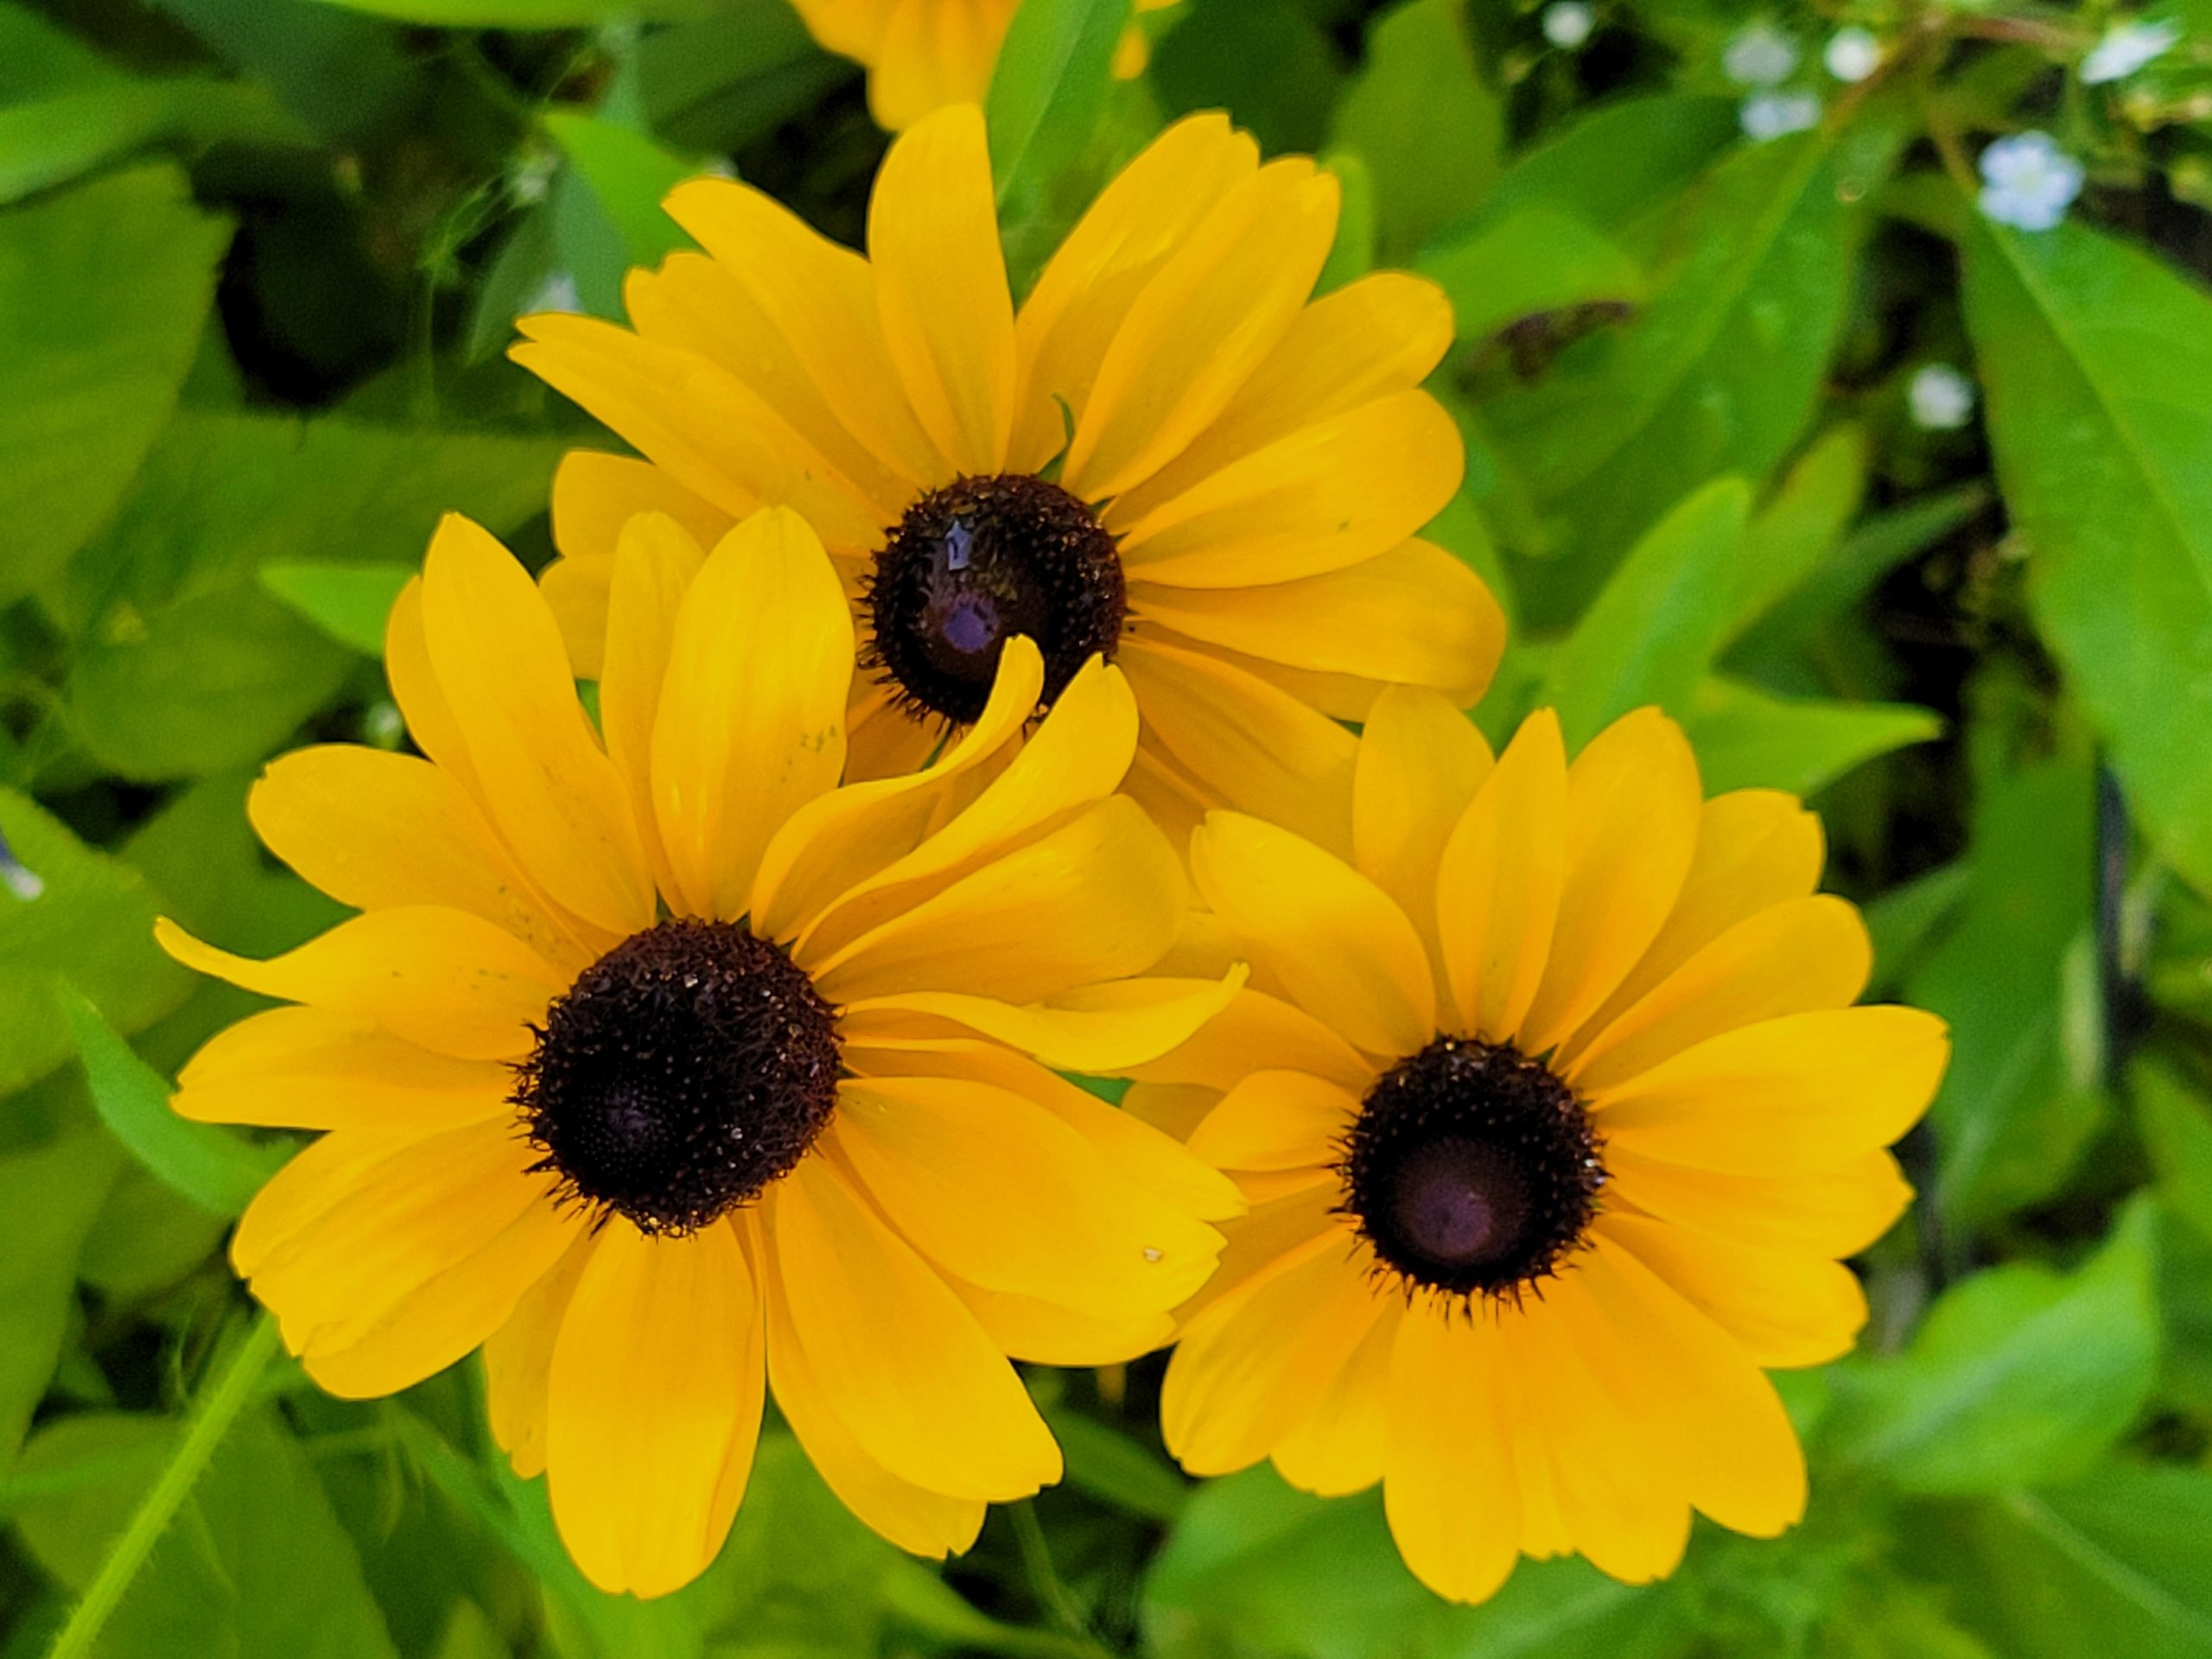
column 684, row 1071
column 973, row 564
column 1471, row 1170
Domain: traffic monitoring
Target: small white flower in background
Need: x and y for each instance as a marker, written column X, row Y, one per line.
column 26, row 884
column 1760, row 55
column 1940, row 399
column 382, row 724
column 2125, row 48
column 1567, row 24
column 2028, row 181
column 1769, row 115
column 720, row 167
column 532, row 179
column 556, row 293
column 1852, row 53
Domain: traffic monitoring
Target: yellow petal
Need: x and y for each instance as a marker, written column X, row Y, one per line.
column 1249, row 1369
column 1375, row 336
column 1072, row 314
column 518, row 1361
column 941, row 288
column 1096, row 1029
column 422, row 700
column 1799, row 956
column 375, row 830
column 1738, row 1451
column 933, row 56
column 1077, row 756
column 1420, row 762
column 1784, row 1307
column 1448, row 1487
column 1047, row 1333
column 1278, row 1234
column 838, row 841
column 658, row 1375
column 547, row 786
column 1632, row 810
column 450, row 981
column 1100, row 898
column 899, row 1359
column 1344, row 951
column 1245, row 744
column 751, row 723
column 1207, row 319
column 1340, row 492
column 1276, row 1120
column 1005, row 1196
column 1755, row 848
column 310, row 1069
column 913, row 1517
column 594, row 496
column 1832, row 1212
column 1341, row 1444
column 1411, row 615
column 1257, row 1029
column 1805, row 1091
column 655, row 564
column 818, row 301
column 1498, row 884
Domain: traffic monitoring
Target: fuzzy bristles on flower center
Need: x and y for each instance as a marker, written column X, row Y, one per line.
column 1470, row 1170
column 973, row 564
column 684, row 1071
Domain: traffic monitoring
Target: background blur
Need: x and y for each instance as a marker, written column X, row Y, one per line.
column 1880, row 456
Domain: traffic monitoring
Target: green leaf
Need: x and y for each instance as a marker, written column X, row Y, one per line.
column 2083, row 344
column 91, row 924
column 1724, row 369
column 1747, row 739
column 103, row 291
column 1282, row 95
column 1425, row 121
column 2019, row 1376
column 1652, row 633
column 50, row 1197
column 2020, row 1099
column 628, row 176
column 1047, row 92
column 2176, row 1128
column 217, row 1170
column 1112, row 1467
column 1532, row 261
column 1800, row 526
column 2115, row 1564
column 349, row 602
column 523, row 14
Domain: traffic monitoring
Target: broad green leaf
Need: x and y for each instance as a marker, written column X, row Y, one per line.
column 343, row 75
column 349, row 602
column 1254, row 1568
column 91, row 924
column 1534, row 260
column 1724, row 368
column 2020, row 1099
column 1353, row 254
column 628, row 176
column 1800, row 525
column 2019, row 1376
column 1422, row 115
column 1282, row 95
column 1112, row 1467
column 215, row 1168
column 103, row 292
column 2176, row 1123
column 719, row 83
column 1652, row 633
column 2113, row 1564
column 49, row 1197
column 2089, row 351
column 1046, row 94
column 186, row 664
column 1747, row 739
column 522, row 14
column 145, row 1238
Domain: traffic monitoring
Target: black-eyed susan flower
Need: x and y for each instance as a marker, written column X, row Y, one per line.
column 1556, row 1119
column 668, row 1072
column 1170, row 455
column 923, row 55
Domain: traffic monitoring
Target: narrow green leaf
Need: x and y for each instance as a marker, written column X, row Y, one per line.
column 522, row 14
column 1798, row 527
column 1652, row 633
column 1534, row 260
column 2176, row 1123
column 50, row 1197
column 349, row 602
column 217, row 1170
column 1046, row 92
column 1110, row 1466
column 1747, row 739
column 607, row 211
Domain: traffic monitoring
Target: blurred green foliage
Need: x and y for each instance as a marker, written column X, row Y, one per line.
column 258, row 262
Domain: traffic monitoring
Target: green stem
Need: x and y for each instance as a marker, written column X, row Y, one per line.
column 1044, row 1579
column 212, row 1417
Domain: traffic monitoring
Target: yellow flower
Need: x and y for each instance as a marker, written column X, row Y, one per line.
column 1555, row 1117
column 668, row 1072
column 923, row 55
column 1168, row 456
